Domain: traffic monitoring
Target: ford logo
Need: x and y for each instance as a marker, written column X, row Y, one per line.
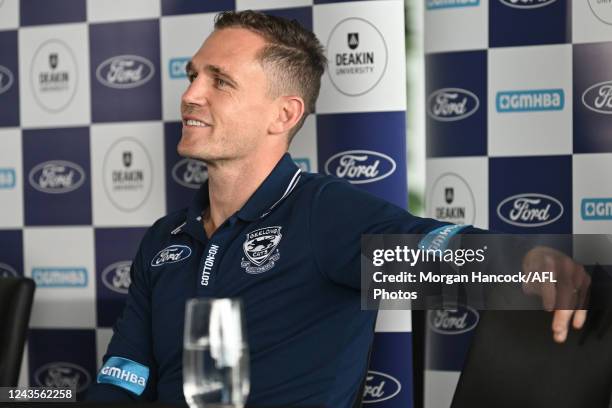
column 171, row 254
column 125, row 71
column 527, row 4
column 60, row 374
column 380, row 387
column 450, row 104
column 598, row 97
column 457, row 321
column 56, row 177
column 530, row 210
column 6, row 79
column 190, row 173
column 116, row 277
column 6, row 271
column 360, row 166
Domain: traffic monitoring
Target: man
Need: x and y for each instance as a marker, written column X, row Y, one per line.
column 287, row 243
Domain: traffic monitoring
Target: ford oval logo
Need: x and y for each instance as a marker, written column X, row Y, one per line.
column 171, row 254
column 598, row 97
column 6, row 271
column 360, row 166
column 6, row 79
column 527, row 4
column 190, row 173
column 530, row 210
column 451, row 104
column 125, row 71
column 60, row 374
column 450, row 322
column 56, row 177
column 116, row 277
column 380, row 387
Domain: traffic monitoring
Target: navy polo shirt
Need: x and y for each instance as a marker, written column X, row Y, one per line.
column 291, row 253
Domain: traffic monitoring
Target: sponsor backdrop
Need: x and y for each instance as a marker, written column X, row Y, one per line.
column 519, row 112
column 90, row 94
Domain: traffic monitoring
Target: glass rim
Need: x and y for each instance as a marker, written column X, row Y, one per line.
column 210, row 300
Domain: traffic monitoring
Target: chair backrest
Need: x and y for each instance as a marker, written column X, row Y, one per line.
column 16, row 295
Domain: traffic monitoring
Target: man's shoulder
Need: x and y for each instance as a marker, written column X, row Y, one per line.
column 316, row 183
column 167, row 224
column 329, row 187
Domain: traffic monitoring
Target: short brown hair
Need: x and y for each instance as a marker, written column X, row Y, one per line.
column 294, row 55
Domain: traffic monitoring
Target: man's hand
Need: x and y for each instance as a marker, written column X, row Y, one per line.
column 567, row 297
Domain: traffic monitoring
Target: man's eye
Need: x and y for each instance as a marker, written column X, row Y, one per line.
column 191, row 76
column 220, row 83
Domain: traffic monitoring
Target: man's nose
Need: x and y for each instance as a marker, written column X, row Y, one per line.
column 196, row 93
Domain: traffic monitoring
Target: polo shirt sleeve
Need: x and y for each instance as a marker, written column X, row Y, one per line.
column 129, row 372
column 341, row 213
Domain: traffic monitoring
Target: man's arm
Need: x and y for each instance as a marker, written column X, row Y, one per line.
column 129, row 371
column 342, row 213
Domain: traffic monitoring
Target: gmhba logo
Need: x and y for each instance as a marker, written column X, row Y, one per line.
column 534, row 100
column 61, row 374
column 7, row 178
column 177, row 67
column 57, row 277
column 527, row 4
column 125, row 71
column 444, row 4
column 357, row 55
column 596, row 209
column 56, row 177
column 360, row 166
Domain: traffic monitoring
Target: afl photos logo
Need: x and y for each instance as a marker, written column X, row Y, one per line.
column 53, row 75
column 260, row 249
column 357, row 55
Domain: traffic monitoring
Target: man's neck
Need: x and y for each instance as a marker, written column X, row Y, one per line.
column 230, row 185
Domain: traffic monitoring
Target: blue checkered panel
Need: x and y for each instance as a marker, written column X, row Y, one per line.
column 519, row 97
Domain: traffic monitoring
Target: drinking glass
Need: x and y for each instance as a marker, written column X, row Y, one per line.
column 215, row 354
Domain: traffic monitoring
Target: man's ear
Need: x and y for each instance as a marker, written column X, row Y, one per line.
column 290, row 110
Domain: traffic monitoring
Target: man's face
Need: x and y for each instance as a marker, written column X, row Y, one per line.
column 226, row 109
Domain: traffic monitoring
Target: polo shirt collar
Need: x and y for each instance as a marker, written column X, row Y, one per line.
column 274, row 189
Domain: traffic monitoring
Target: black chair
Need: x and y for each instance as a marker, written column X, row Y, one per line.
column 16, row 295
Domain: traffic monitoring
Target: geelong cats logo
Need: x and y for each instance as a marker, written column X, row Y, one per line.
column 260, row 249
